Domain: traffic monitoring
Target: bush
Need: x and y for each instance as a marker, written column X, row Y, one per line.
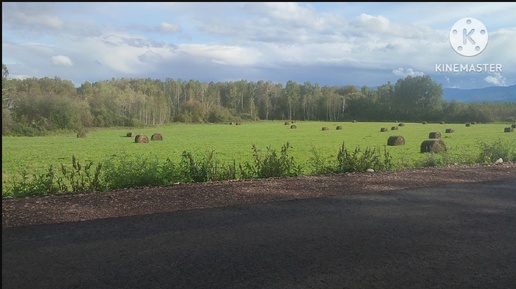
column 359, row 161
column 273, row 164
column 490, row 152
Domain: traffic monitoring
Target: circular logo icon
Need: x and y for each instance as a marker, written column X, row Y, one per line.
column 468, row 36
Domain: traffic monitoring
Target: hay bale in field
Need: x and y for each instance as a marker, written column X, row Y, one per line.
column 513, row 125
column 130, row 134
column 157, row 136
column 293, row 126
column 395, row 140
column 230, row 123
column 287, row 123
column 339, row 127
column 81, row 134
column 238, row 123
column 449, row 130
column 433, row 146
column 468, row 124
column 384, row 129
column 508, row 129
column 394, row 128
column 401, row 124
column 141, row 138
column 325, row 128
column 434, row 134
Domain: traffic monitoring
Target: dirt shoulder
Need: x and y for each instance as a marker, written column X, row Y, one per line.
column 149, row 200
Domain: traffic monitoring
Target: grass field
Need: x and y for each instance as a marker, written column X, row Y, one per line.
column 234, row 143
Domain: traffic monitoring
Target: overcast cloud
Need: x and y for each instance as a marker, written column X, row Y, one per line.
column 327, row 43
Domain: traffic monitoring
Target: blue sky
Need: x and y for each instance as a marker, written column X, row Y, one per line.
column 346, row 43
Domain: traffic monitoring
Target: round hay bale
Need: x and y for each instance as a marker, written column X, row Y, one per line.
column 293, row 126
column 141, row 138
column 130, row 134
column 449, row 130
column 157, row 136
column 230, row 123
column 395, row 140
column 434, row 134
column 325, row 128
column 468, row 124
column 508, row 129
column 384, row 129
column 238, row 123
column 339, row 127
column 513, row 125
column 401, row 124
column 81, row 134
column 394, row 128
column 287, row 123
column 433, row 146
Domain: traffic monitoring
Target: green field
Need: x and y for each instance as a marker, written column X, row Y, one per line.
column 234, row 143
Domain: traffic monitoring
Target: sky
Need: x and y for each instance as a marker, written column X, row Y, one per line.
column 328, row 43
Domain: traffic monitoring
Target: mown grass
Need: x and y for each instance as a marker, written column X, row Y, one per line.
column 310, row 146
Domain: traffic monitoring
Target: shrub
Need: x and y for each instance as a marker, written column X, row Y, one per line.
column 273, row 164
column 490, row 152
column 359, row 161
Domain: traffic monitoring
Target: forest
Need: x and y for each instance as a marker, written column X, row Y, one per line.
column 38, row 106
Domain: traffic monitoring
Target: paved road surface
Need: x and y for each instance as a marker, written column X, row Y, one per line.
column 455, row 236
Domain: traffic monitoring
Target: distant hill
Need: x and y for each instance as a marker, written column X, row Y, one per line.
column 488, row 94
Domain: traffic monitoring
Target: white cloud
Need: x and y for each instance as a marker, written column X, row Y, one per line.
column 61, row 60
column 289, row 39
column 168, row 28
column 401, row 72
column 496, row 79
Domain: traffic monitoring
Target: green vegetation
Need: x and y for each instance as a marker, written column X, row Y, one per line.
column 108, row 159
column 37, row 107
column 232, row 130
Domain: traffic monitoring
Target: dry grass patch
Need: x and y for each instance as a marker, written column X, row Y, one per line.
column 395, row 140
column 141, row 138
column 434, row 134
column 433, row 146
column 157, row 136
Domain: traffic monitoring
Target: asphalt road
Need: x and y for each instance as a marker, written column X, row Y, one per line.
column 455, row 236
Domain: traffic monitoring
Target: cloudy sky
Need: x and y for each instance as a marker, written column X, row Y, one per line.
column 326, row 43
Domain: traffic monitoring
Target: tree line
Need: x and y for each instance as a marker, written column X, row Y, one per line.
column 35, row 106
